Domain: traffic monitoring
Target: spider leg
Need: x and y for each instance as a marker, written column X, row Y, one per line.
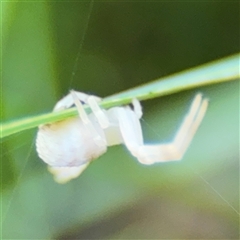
column 130, row 128
column 76, row 98
column 67, row 101
column 137, row 108
column 191, row 123
column 98, row 112
column 101, row 115
column 87, row 122
column 149, row 154
column 92, row 101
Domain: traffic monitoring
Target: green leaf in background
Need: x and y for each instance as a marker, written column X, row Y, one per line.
column 126, row 44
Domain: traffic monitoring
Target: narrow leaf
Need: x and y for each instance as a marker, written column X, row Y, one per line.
column 223, row 70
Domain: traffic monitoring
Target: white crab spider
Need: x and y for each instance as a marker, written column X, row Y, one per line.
column 68, row 146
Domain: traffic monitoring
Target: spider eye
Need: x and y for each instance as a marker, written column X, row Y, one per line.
column 131, row 106
column 73, row 104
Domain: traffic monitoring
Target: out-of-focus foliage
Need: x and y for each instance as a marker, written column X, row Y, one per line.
column 126, row 44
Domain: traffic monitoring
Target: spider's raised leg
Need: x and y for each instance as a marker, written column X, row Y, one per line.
column 98, row 139
column 98, row 112
column 137, row 108
column 148, row 154
column 77, row 99
column 130, row 128
column 190, row 124
column 67, row 101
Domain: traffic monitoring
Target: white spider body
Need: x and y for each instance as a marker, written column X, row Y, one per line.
column 68, row 146
column 68, row 143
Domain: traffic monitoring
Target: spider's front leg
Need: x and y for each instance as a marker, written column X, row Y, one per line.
column 67, row 101
column 149, row 154
column 77, row 99
column 80, row 98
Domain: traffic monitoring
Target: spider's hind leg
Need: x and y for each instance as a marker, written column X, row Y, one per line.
column 190, row 124
column 149, row 154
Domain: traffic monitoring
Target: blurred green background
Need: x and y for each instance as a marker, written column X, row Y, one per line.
column 126, row 44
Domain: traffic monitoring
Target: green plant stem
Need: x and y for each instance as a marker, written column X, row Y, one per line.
column 223, row 70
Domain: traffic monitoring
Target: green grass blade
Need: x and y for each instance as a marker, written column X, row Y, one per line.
column 223, row 70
